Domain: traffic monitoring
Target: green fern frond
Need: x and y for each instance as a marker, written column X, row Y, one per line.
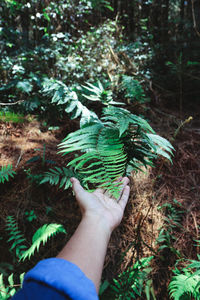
column 8, row 291
column 104, row 159
column 62, row 95
column 59, row 176
column 133, row 89
column 112, row 145
column 195, row 264
column 41, row 236
column 98, row 93
column 129, row 284
column 5, row 173
column 16, row 237
column 184, row 285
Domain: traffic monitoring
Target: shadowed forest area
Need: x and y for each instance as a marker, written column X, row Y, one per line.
column 120, row 79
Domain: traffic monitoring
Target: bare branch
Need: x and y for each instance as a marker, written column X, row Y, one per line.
column 17, row 102
column 194, row 19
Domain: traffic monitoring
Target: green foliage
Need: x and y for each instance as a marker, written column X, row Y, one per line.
column 41, row 236
column 59, row 176
column 99, row 94
column 16, row 237
column 118, row 141
column 30, row 215
column 68, row 99
column 130, row 284
column 133, row 89
column 172, row 223
column 5, row 173
column 8, row 116
column 184, row 285
column 8, row 291
column 100, row 4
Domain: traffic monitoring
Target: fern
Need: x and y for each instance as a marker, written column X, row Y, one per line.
column 129, row 284
column 172, row 222
column 62, row 95
column 59, row 176
column 41, row 236
column 5, row 173
column 183, row 286
column 16, row 237
column 195, row 264
column 98, row 93
column 117, row 142
column 8, row 291
column 133, row 89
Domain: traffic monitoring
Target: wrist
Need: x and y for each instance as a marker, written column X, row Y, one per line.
column 98, row 223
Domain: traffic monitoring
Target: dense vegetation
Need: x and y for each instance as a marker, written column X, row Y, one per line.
column 91, row 74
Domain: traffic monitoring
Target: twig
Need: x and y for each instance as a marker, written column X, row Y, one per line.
column 17, row 102
column 194, row 19
column 181, row 125
column 115, row 57
column 18, row 161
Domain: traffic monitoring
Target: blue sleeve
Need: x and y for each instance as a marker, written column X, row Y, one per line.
column 56, row 278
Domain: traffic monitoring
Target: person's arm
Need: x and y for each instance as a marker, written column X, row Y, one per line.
column 100, row 215
column 76, row 271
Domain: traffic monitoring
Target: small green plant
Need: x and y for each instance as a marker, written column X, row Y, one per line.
column 8, row 291
column 172, row 223
column 30, row 215
column 6, row 172
column 16, row 237
column 185, row 283
column 41, row 158
column 22, row 252
column 133, row 90
column 41, row 236
column 130, row 284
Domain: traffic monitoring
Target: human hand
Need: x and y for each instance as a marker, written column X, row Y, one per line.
column 99, row 206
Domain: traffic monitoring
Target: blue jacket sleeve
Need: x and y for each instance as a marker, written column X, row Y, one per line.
column 56, row 278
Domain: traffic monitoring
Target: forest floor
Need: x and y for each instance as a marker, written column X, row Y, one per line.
column 32, row 148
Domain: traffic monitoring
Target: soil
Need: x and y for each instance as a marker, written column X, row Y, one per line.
column 136, row 236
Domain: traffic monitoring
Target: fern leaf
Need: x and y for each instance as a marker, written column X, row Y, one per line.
column 5, row 173
column 118, row 141
column 16, row 236
column 41, row 236
column 63, row 95
column 133, row 89
column 184, row 285
column 129, row 284
column 104, row 159
column 124, row 119
column 59, row 176
column 99, row 94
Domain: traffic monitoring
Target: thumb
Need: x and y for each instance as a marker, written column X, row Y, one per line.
column 76, row 186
